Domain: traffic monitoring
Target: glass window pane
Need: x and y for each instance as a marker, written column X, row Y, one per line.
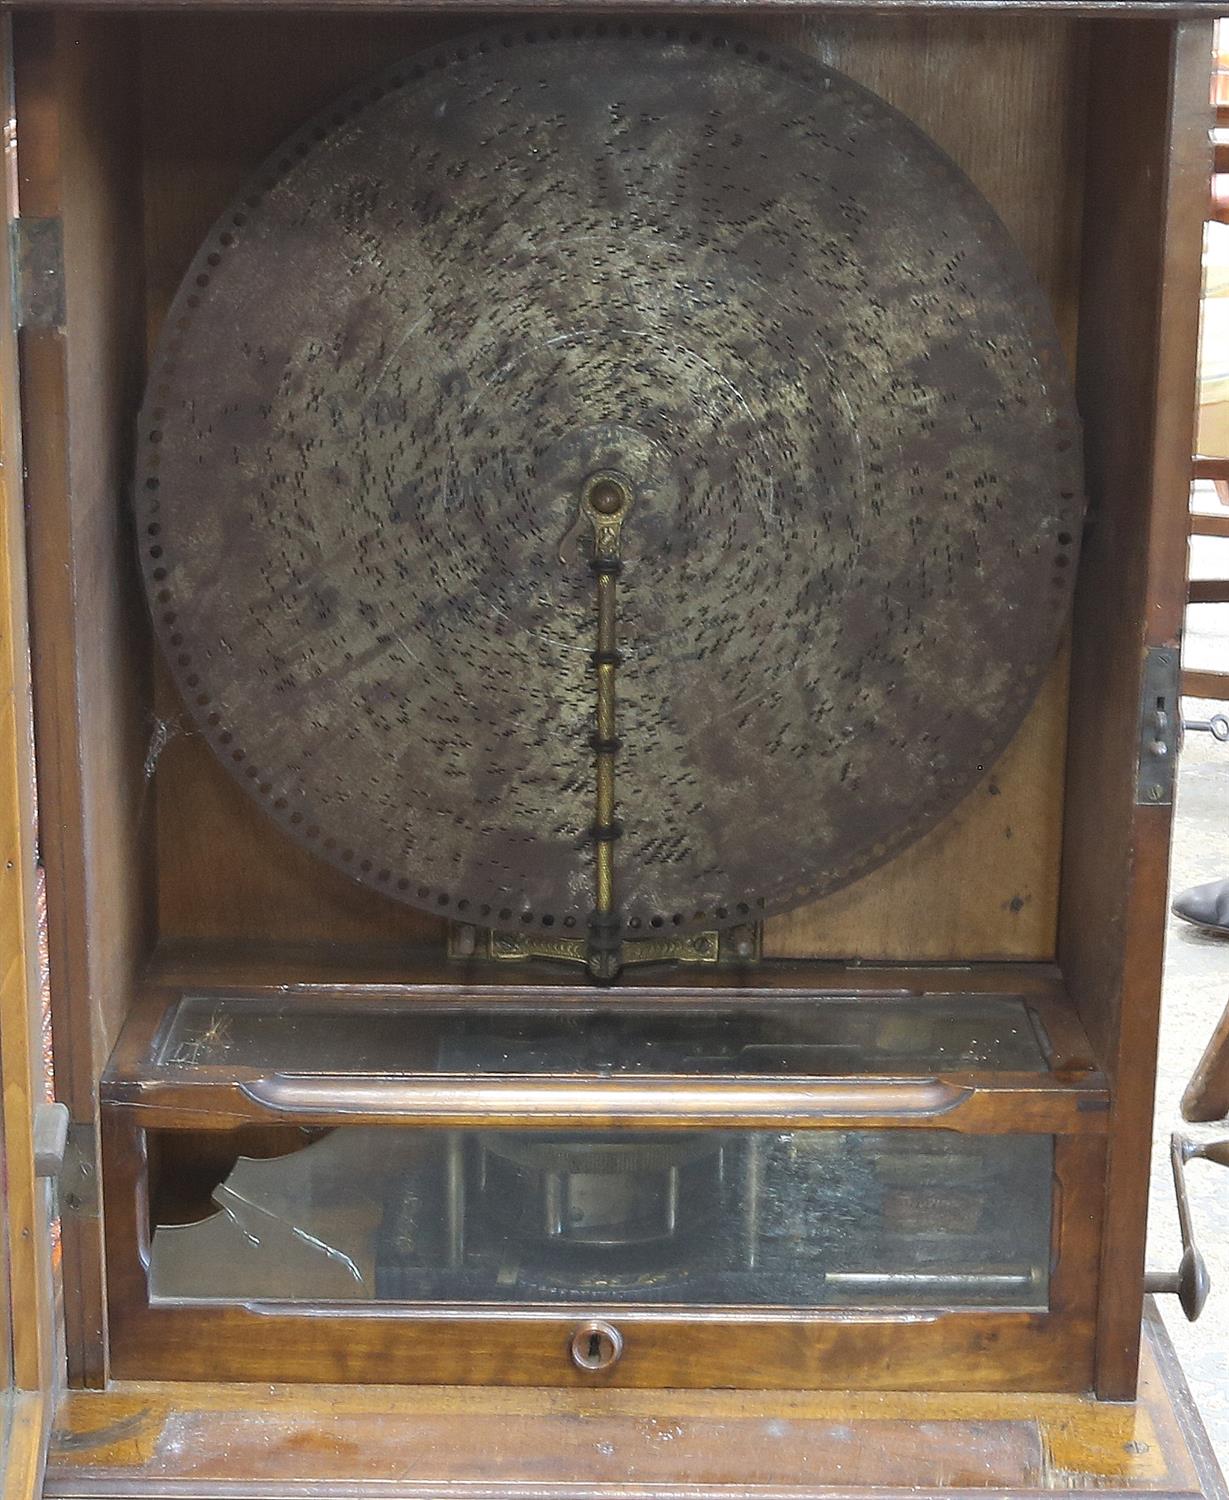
column 820, row 1218
column 817, row 1037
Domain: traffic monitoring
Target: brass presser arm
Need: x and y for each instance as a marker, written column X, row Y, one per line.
column 605, row 501
column 1190, row 1283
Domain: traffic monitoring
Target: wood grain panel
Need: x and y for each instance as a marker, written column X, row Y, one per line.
column 1148, row 175
column 982, row 885
column 90, row 648
column 1003, row 96
column 754, row 1348
column 27, row 1318
column 227, row 872
column 220, row 93
column 418, row 1441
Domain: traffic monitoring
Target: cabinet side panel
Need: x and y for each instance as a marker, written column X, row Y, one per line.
column 1148, row 175
column 76, row 134
column 28, row 1371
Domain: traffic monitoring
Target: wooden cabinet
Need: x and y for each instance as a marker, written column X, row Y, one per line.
column 919, row 1230
column 211, row 980
column 29, row 1375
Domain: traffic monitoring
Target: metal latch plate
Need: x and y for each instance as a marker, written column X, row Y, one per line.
column 38, row 265
column 1159, row 720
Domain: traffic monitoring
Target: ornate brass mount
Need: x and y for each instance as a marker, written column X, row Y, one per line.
column 605, row 499
column 734, row 945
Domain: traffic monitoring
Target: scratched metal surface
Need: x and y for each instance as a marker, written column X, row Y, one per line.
column 728, row 273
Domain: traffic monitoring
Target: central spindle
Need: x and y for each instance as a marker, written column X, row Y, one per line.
column 605, row 501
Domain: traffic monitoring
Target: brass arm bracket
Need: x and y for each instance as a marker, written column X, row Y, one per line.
column 734, row 945
column 605, row 501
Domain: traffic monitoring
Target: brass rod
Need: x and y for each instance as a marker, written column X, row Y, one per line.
column 604, row 802
column 604, row 502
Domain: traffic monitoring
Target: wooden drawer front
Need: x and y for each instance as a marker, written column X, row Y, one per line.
column 902, row 1258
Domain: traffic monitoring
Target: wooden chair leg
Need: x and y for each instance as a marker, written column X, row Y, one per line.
column 1207, row 1094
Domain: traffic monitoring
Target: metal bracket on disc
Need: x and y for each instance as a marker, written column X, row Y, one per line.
column 735, row 945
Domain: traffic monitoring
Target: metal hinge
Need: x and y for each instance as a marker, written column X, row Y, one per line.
column 78, row 1180
column 38, row 273
column 50, row 1139
column 1159, row 726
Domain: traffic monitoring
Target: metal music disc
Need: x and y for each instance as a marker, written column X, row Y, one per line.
column 722, row 271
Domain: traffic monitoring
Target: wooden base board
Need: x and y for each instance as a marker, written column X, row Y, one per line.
column 212, row 1442
column 25, row 1444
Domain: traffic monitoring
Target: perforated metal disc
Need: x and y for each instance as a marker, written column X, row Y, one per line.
column 730, row 274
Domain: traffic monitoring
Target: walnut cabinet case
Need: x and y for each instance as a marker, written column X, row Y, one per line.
column 238, row 1026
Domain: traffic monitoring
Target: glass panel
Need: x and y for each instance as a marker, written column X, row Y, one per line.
column 821, row 1218
column 812, row 1037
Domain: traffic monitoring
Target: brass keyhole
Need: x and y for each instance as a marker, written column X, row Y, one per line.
column 596, row 1346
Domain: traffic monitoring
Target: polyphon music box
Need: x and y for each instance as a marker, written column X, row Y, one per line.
column 603, row 604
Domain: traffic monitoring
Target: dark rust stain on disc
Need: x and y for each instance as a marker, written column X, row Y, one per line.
column 729, row 275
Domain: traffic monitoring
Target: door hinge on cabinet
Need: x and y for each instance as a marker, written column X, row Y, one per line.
column 1159, row 723
column 77, row 1185
column 50, row 1139
column 38, row 272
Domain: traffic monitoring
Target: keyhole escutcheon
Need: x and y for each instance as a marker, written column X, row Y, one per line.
column 596, row 1346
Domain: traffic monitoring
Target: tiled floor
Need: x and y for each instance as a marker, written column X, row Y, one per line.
column 1196, row 991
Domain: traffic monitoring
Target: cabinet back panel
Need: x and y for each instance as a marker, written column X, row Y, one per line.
column 1003, row 95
